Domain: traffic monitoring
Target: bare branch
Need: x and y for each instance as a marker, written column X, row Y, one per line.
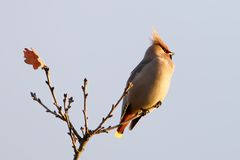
column 78, row 142
column 114, row 106
column 139, row 114
column 106, row 130
column 82, row 130
column 75, row 131
column 35, row 98
column 64, row 116
column 51, row 88
column 85, row 95
column 81, row 148
column 64, row 101
column 70, row 127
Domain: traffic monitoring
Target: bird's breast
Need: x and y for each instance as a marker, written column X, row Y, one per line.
column 150, row 85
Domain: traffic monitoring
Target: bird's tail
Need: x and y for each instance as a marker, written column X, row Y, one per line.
column 122, row 127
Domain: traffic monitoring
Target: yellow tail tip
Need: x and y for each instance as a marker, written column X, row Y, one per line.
column 118, row 135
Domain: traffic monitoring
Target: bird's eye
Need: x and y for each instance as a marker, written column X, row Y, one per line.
column 171, row 54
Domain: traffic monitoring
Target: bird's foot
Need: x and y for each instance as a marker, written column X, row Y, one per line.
column 158, row 104
column 144, row 111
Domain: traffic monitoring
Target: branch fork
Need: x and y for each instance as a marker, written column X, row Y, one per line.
column 62, row 112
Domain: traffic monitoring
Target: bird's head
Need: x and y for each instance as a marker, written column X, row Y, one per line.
column 158, row 47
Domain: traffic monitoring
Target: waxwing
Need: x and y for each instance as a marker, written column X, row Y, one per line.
column 151, row 80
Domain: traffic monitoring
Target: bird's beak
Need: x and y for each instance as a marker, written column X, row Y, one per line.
column 172, row 53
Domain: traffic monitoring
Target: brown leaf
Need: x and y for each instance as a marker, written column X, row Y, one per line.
column 32, row 58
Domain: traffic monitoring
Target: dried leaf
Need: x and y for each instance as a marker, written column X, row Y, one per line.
column 32, row 58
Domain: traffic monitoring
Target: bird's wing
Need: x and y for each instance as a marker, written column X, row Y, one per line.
column 134, row 122
column 136, row 70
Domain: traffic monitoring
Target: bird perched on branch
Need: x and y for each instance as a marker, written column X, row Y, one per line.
column 151, row 79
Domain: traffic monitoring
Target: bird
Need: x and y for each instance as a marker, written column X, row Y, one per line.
column 150, row 81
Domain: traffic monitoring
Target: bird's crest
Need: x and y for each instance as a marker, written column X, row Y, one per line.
column 158, row 41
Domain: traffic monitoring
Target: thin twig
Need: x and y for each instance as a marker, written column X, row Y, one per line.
column 70, row 128
column 114, row 106
column 139, row 114
column 106, row 130
column 82, row 130
column 64, row 101
column 48, row 82
column 75, row 132
column 71, row 134
column 85, row 94
column 35, row 98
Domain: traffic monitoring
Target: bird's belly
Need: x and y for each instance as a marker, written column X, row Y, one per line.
column 147, row 91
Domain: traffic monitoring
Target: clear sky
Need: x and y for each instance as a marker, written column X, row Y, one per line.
column 103, row 41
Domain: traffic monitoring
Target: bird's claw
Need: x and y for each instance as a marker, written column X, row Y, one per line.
column 144, row 112
column 158, row 104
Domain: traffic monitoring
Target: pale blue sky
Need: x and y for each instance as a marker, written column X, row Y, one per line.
column 104, row 41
